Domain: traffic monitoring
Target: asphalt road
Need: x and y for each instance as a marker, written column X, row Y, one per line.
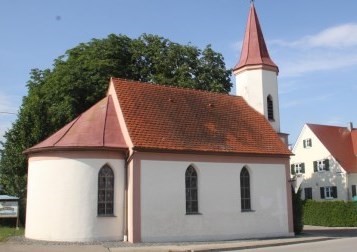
column 339, row 244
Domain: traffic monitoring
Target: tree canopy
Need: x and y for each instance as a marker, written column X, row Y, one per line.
column 80, row 78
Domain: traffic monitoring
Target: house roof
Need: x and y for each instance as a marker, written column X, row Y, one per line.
column 254, row 50
column 340, row 142
column 98, row 127
column 177, row 119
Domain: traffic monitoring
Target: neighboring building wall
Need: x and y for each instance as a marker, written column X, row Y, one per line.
column 336, row 176
column 163, row 210
column 62, row 197
column 254, row 86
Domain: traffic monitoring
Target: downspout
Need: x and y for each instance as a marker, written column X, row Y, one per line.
column 128, row 159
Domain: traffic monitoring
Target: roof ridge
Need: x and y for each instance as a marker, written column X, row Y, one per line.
column 325, row 125
column 65, row 133
column 170, row 86
column 105, row 120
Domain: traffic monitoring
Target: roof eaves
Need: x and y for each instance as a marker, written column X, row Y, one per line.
column 73, row 148
column 210, row 152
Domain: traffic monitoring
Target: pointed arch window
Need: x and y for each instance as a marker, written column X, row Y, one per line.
column 106, row 191
column 270, row 108
column 245, row 189
column 191, row 190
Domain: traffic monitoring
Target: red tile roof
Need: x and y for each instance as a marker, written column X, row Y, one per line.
column 254, row 50
column 98, row 127
column 340, row 143
column 177, row 119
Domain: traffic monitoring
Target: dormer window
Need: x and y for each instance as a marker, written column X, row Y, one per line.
column 270, row 108
column 307, row 143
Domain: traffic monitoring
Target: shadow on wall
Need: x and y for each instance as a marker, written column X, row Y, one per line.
column 330, row 183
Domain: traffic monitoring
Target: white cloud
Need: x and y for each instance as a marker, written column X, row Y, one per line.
column 330, row 49
column 318, row 62
column 306, row 100
column 341, row 36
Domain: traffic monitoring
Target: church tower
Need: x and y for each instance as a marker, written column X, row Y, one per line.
column 256, row 74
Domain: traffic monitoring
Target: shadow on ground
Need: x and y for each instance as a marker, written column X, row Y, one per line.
column 330, row 232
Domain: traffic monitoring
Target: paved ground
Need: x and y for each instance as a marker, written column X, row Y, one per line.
column 311, row 234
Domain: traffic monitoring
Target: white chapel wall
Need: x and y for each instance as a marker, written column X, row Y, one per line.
column 163, row 211
column 62, row 199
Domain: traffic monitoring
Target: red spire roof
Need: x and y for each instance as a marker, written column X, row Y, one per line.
column 98, row 127
column 254, row 50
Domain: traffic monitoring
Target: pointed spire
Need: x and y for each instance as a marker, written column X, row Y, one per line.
column 254, row 50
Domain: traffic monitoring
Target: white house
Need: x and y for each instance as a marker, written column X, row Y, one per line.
column 151, row 163
column 326, row 160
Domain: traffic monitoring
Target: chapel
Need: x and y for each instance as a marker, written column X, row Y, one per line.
column 153, row 163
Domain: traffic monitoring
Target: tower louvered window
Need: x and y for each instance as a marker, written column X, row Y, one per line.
column 270, row 108
column 105, row 191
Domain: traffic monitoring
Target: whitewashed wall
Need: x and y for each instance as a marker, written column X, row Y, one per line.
column 163, row 211
column 62, row 200
column 255, row 86
column 336, row 176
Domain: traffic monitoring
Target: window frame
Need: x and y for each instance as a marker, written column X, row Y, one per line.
column 321, row 165
column 270, row 108
column 307, row 143
column 106, row 179
column 191, row 190
column 308, row 192
column 353, row 191
column 299, row 168
column 245, row 190
column 328, row 192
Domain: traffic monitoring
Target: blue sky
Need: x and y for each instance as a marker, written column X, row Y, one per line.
column 314, row 43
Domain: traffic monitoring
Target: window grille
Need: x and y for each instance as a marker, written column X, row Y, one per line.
column 191, row 190
column 105, row 191
column 245, row 189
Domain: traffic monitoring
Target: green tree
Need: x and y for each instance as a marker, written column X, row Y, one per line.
column 80, row 77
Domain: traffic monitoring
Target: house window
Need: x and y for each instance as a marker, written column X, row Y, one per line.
column 321, row 165
column 191, row 190
column 354, row 190
column 328, row 192
column 308, row 193
column 270, row 108
column 105, row 191
column 297, row 168
column 307, row 143
column 245, row 189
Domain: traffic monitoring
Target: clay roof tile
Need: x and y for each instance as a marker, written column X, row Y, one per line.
column 179, row 119
column 98, row 127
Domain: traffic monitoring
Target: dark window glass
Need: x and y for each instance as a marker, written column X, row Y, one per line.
column 354, row 190
column 245, row 190
column 105, row 191
column 308, row 192
column 270, row 108
column 191, row 190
